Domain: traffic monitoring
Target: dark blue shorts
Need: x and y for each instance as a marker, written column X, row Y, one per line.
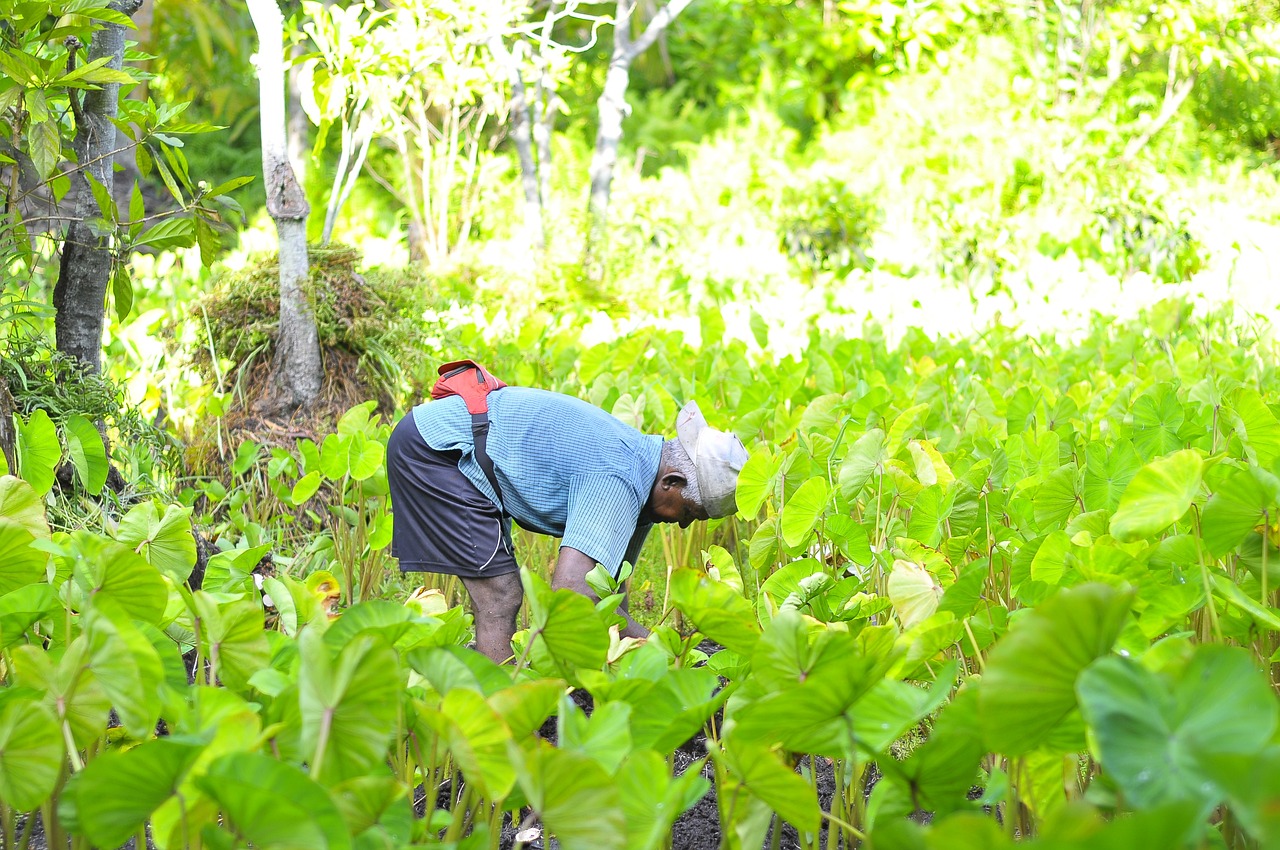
column 443, row 524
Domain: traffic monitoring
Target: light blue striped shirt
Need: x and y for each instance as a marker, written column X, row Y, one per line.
column 566, row 468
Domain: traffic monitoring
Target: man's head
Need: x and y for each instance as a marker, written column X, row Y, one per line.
column 698, row 473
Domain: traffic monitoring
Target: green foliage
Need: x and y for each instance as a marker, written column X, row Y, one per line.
column 824, row 225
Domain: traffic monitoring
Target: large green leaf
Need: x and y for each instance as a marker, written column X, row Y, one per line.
column 1107, row 473
column 88, row 453
column 478, row 738
column 118, row 791
column 232, row 639
column 22, row 608
column 755, row 481
column 864, row 456
column 273, row 805
column 1153, row 734
column 30, row 753
column 717, row 611
column 758, row 769
column 1252, row 785
column 70, row 687
column 1057, row 498
column 803, row 510
column 349, row 706
column 1158, row 496
column 165, row 541
column 127, row 666
column 566, row 631
column 579, row 802
column 1157, row 418
column 1244, row 499
column 20, row 502
column 20, row 564
column 1254, row 424
column 1028, row 689
column 914, row 592
column 111, row 573
column 652, row 799
column 38, row 451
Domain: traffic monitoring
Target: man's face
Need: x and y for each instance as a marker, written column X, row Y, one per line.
column 670, row 505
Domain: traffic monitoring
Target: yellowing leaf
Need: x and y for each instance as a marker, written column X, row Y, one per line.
column 913, row 592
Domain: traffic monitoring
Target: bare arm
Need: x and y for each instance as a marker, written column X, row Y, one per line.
column 571, row 571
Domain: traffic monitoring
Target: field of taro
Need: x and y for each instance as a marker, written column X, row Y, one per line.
column 984, row 592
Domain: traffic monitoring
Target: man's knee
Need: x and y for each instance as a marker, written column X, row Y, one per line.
column 499, row 596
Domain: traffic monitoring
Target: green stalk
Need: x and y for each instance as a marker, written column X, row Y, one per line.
column 8, row 824
column 811, row 841
column 24, row 840
column 322, row 743
column 460, row 812
column 775, row 833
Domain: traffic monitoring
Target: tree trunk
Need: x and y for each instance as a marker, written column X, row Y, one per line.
column 522, row 135
column 296, row 373
column 299, row 150
column 79, row 297
column 613, row 108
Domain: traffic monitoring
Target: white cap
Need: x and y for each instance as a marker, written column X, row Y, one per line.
column 717, row 459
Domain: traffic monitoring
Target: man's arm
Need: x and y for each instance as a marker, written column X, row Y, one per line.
column 571, row 571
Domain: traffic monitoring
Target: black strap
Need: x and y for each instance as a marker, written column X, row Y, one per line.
column 480, row 436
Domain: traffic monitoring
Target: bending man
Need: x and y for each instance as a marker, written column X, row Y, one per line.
column 564, row 468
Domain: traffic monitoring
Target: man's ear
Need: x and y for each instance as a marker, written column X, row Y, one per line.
column 674, row 479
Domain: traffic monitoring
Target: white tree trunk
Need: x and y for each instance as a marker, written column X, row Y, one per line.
column 612, row 108
column 522, row 135
column 297, row 370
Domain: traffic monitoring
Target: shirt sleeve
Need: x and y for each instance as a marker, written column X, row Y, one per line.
column 637, row 543
column 601, row 521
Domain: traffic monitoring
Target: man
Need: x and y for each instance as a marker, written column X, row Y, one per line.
column 563, row 468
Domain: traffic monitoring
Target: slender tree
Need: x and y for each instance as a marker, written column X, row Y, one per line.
column 79, row 296
column 612, row 108
column 297, row 370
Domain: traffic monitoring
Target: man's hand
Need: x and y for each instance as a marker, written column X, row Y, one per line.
column 571, row 571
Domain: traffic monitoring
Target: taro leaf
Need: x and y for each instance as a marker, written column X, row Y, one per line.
column 941, row 771
column 1252, row 785
column 907, row 423
column 273, row 805
column 449, row 667
column 165, row 541
column 377, row 616
column 478, row 740
column 566, row 631
column 111, row 573
column 716, row 610
column 891, row 708
column 758, row 769
column 1158, row 496
column 652, row 799
column 38, row 451
column 525, row 706
column 365, row 457
column 604, row 737
column 1245, row 499
column 88, row 453
column 127, row 667
column 20, row 563
column 721, row 567
column 764, row 547
column 1107, row 473
column 1157, row 417
column 71, row 690
column 1254, row 423
column 677, row 706
column 20, row 503
column 914, row 592
column 803, row 510
column 306, row 487
column 349, row 705
column 1152, row 737
column 864, row 456
column 578, row 802
column 929, row 464
column 785, row 582
column 231, row 637
column 116, row 793
column 378, row 803
column 228, row 572
column 850, row 538
column 1028, row 689
column 1166, row 828
column 30, row 753
column 1057, row 498
column 22, row 608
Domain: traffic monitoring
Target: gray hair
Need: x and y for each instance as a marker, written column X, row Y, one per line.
column 675, row 457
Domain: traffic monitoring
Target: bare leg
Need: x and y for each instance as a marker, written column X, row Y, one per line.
column 495, row 602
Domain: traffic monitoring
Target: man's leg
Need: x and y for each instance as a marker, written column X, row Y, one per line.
column 495, row 602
